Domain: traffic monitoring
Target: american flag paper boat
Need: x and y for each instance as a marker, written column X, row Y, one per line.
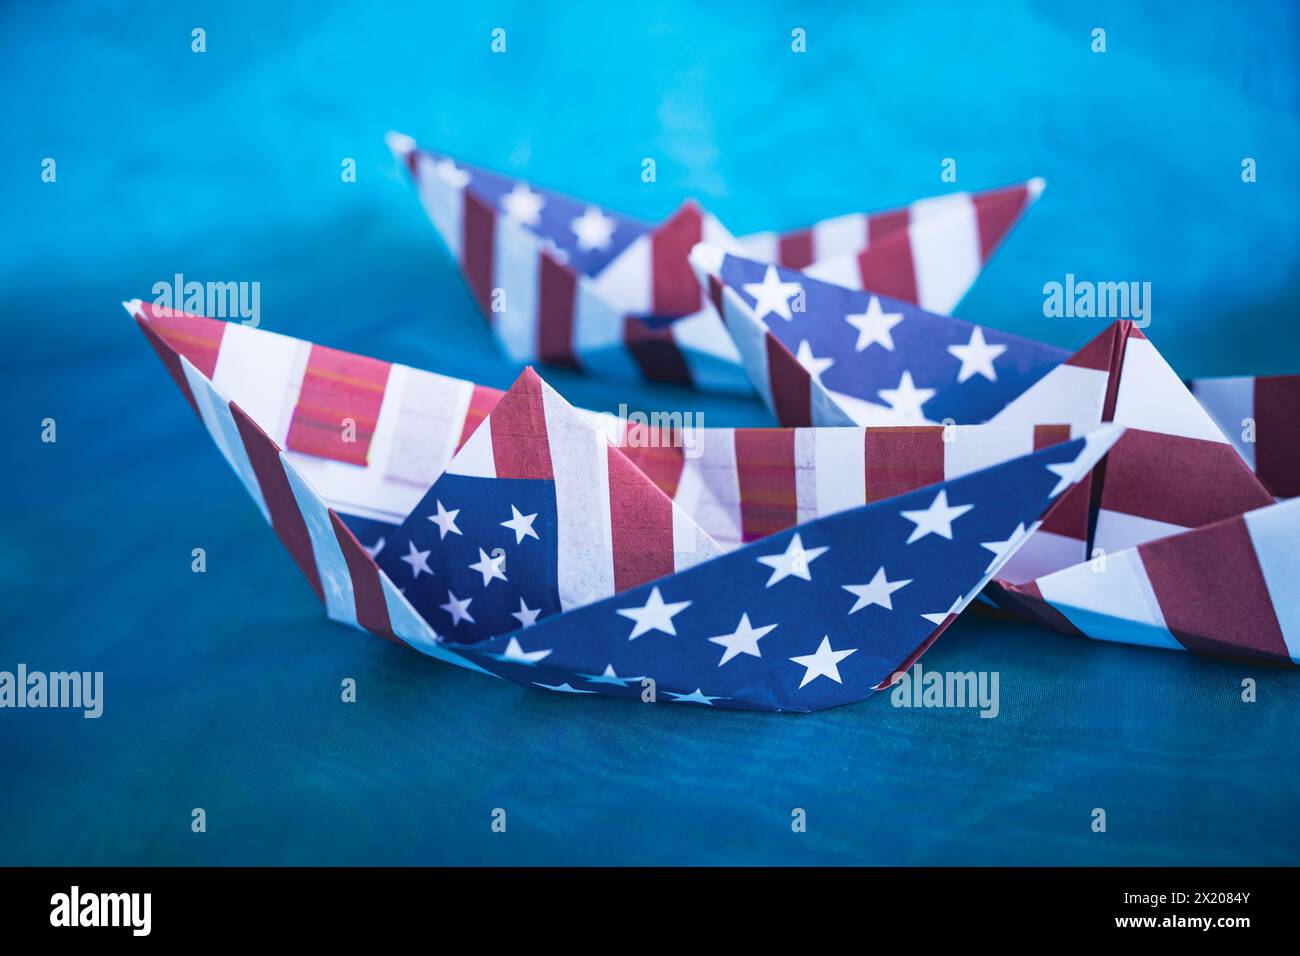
column 1261, row 417
column 820, row 353
column 1175, row 542
column 565, row 282
column 541, row 553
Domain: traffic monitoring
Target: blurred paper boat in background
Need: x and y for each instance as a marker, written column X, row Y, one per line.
column 566, row 282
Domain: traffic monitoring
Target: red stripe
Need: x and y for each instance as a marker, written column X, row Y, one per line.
column 171, row 361
column 1045, row 436
column 790, row 383
column 557, row 286
column 476, row 248
column 795, row 249
column 997, row 211
column 520, row 446
column 1122, row 330
column 1103, row 353
column 1212, row 592
column 765, row 470
column 286, row 519
column 903, row 459
column 195, row 337
column 884, row 224
column 372, row 607
column 886, row 267
column 658, row 453
column 338, row 387
column 481, row 402
column 1068, row 514
column 1277, row 433
column 655, row 352
column 675, row 290
column 1182, row 481
column 641, row 525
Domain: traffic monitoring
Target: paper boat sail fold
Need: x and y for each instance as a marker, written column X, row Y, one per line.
column 823, row 354
column 564, row 281
column 746, row 628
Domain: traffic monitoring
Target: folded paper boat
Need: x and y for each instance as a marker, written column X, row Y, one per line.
column 820, row 353
column 520, row 541
column 855, row 356
column 563, row 281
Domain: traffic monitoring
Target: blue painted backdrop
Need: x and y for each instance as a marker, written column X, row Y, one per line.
column 222, row 689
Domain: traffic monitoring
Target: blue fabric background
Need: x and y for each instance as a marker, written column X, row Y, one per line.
column 223, row 689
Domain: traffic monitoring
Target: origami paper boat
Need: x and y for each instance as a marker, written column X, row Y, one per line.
column 1113, row 560
column 564, row 282
column 1261, row 417
column 568, row 566
column 820, row 353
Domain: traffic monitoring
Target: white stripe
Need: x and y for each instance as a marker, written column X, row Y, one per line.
column 749, row 335
column 580, row 464
column 974, row 447
column 841, row 468
column 763, row 246
column 1274, row 531
column 806, row 474
column 843, row 234
column 709, row 487
column 430, row 416
column 715, row 233
column 692, row 544
column 709, row 352
column 1117, row 531
column 1117, row 604
column 1151, row 396
column 516, row 268
column 444, row 204
column 420, row 420
column 475, row 458
column 1067, row 394
column 704, row 332
column 262, row 373
column 335, row 578
column 598, row 336
column 841, row 270
column 1228, row 402
column 1044, row 552
column 939, row 206
column 946, row 254
column 627, row 281
column 214, row 409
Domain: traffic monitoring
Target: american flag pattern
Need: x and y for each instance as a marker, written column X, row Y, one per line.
column 823, row 354
column 1174, row 542
column 1231, row 588
column 565, row 282
column 672, row 607
column 1260, row 415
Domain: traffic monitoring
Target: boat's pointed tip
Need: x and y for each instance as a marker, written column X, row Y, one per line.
column 1036, row 186
column 134, row 308
column 399, row 143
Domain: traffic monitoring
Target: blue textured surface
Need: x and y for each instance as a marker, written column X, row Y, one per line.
column 222, row 689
